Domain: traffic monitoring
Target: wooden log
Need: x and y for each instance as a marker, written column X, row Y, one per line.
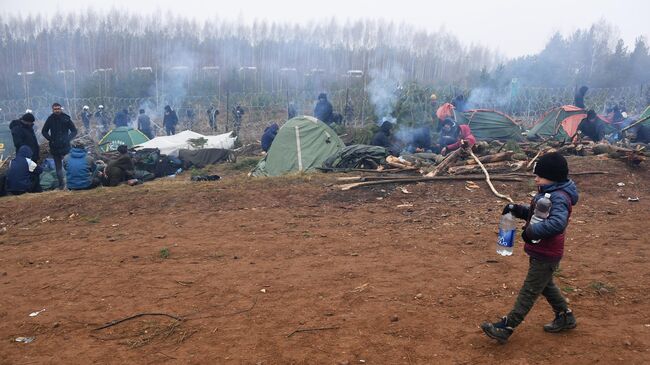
column 492, row 167
column 502, row 156
column 421, row 179
column 451, row 158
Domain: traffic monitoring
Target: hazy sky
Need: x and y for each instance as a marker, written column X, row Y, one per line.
column 514, row 27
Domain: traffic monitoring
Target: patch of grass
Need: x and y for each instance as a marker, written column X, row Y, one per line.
column 198, row 172
column 245, row 164
column 568, row 289
column 92, row 220
column 558, row 273
column 164, row 253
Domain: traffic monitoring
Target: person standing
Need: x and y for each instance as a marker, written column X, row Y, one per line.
column 59, row 131
column 323, row 110
column 238, row 113
column 170, row 119
column 102, row 120
column 85, row 118
column 144, row 124
column 212, row 117
column 122, row 118
column 22, row 133
column 579, row 99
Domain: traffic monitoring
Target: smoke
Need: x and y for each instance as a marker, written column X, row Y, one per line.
column 383, row 89
column 487, row 97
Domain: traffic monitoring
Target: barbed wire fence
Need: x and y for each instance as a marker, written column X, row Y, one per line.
column 526, row 104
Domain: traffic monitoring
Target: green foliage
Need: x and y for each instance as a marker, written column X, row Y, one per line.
column 164, row 253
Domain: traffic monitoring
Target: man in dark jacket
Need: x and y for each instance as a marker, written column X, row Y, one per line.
column 121, row 118
column 23, row 172
column 22, row 133
column 170, row 120
column 144, row 124
column 269, row 135
column 120, row 169
column 59, row 131
column 238, row 114
column 323, row 109
column 212, row 117
column 592, row 127
column 579, row 99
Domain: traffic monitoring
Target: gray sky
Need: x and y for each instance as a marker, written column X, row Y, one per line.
column 514, row 27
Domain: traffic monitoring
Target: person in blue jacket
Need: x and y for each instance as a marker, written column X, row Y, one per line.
column 80, row 169
column 23, row 173
column 269, row 135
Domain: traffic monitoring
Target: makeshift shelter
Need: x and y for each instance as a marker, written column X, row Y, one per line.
column 119, row 136
column 302, row 144
column 645, row 115
column 170, row 145
column 490, row 124
column 558, row 123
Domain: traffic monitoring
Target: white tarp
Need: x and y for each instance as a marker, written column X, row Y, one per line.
column 169, row 145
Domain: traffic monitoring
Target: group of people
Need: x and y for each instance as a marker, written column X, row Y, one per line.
column 65, row 154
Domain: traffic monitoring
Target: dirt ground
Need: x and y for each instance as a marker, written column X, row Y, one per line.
column 247, row 262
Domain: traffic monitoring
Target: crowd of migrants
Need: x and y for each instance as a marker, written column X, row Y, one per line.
column 73, row 168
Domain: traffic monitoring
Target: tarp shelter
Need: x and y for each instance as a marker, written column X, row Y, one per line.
column 170, row 145
column 644, row 115
column 490, row 124
column 121, row 135
column 302, row 144
column 558, row 123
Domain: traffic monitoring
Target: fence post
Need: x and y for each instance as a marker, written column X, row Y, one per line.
column 227, row 109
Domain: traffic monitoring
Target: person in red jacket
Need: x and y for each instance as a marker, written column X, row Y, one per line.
column 453, row 136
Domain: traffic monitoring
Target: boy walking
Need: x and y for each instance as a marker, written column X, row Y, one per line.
column 551, row 177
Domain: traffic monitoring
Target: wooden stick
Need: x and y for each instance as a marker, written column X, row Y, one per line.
column 118, row 321
column 533, row 160
column 635, row 123
column 487, row 178
column 421, row 179
column 494, row 166
column 312, row 330
column 496, row 157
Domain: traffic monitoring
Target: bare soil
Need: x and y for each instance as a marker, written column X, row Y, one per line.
column 246, row 262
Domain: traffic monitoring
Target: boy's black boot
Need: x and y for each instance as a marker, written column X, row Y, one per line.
column 499, row 331
column 563, row 321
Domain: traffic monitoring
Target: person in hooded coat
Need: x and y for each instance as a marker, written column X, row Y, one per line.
column 382, row 138
column 170, row 119
column 269, row 135
column 323, row 110
column 59, row 131
column 80, row 169
column 22, row 175
column 144, row 124
column 22, row 133
column 121, row 169
column 579, row 99
column 453, row 136
column 592, row 127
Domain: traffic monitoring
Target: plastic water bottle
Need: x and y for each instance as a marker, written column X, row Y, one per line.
column 507, row 229
column 542, row 209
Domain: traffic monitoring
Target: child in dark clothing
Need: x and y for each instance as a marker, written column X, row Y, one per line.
column 551, row 177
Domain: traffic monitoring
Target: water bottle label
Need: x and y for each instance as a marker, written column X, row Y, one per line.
column 506, row 238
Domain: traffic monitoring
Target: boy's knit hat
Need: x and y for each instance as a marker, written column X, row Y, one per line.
column 552, row 166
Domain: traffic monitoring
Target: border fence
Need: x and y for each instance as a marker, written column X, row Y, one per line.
column 411, row 104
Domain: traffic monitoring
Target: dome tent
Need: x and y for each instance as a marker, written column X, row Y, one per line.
column 302, row 144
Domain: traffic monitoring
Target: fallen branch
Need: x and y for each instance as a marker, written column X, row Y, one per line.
column 496, row 157
column 530, row 164
column 494, row 167
column 487, row 178
column 420, row 179
column 313, row 330
column 118, row 321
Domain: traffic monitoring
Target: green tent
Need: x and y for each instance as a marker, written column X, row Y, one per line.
column 302, row 144
column 120, row 136
column 559, row 123
column 645, row 115
column 490, row 124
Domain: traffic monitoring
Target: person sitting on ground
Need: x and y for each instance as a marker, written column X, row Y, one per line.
column 453, row 136
column 382, row 138
column 591, row 126
column 22, row 133
column 545, row 246
column 121, row 169
column 643, row 134
column 22, row 175
column 269, row 135
column 80, row 169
